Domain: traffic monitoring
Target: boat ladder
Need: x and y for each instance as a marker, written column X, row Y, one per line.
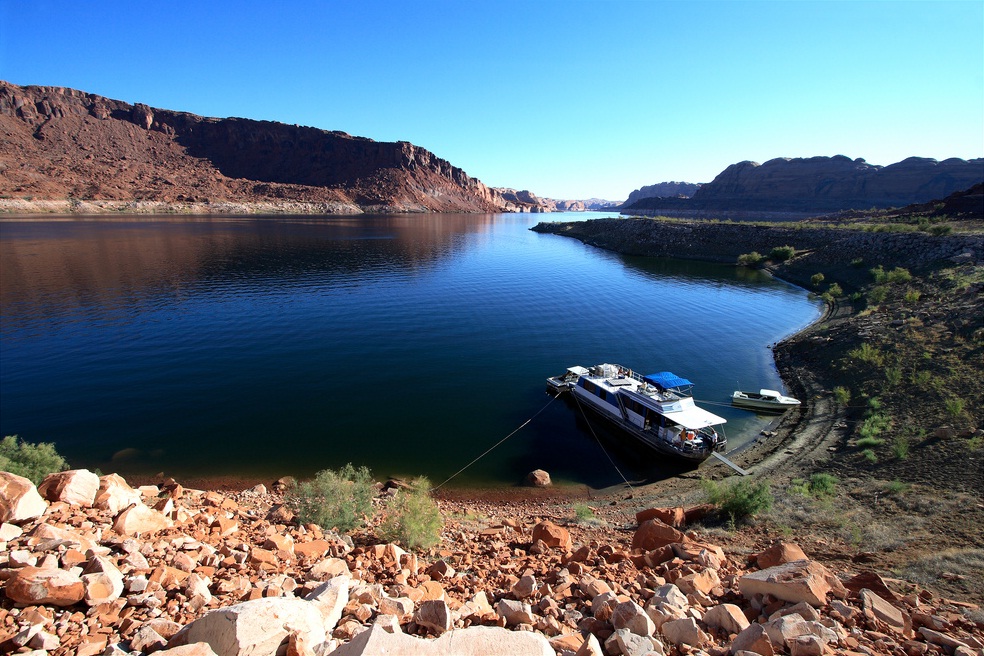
column 743, row 472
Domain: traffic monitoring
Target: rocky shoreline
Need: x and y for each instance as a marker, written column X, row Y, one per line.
column 92, row 566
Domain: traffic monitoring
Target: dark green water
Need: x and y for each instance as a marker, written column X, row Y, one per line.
column 411, row 344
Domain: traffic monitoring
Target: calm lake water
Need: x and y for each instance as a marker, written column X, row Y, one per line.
column 411, row 344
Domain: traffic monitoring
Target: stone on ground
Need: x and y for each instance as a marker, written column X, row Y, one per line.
column 19, row 499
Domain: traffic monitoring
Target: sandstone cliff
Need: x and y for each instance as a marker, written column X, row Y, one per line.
column 527, row 201
column 826, row 184
column 63, row 144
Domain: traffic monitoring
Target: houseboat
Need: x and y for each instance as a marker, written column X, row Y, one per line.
column 657, row 410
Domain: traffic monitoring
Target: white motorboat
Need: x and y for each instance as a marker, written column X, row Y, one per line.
column 764, row 399
column 657, row 410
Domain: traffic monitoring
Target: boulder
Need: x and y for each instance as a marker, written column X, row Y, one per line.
column 258, row 626
column 675, row 517
column 753, row 639
column 778, row 554
column 653, row 534
column 630, row 615
column 727, row 617
column 800, row 580
column 115, row 494
column 19, row 499
column 36, row 586
column 138, row 519
column 435, row 615
column 683, row 632
column 881, row 612
column 77, row 487
column 552, row 535
column 538, row 478
column 473, row 641
column 330, row 597
column 194, row 649
column 515, row 612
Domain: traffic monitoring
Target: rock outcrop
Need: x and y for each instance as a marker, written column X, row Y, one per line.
column 818, row 185
column 227, row 578
column 662, row 190
column 62, row 143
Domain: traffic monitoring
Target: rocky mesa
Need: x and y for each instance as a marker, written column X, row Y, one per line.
column 819, row 185
column 98, row 154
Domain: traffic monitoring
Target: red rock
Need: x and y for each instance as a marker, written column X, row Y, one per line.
column 800, row 580
column 538, row 478
column 55, row 587
column 778, row 554
column 674, row 517
column 553, row 536
column 19, row 499
column 76, row 486
column 653, row 534
column 753, row 639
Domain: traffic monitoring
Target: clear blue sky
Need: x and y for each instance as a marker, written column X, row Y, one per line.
column 566, row 98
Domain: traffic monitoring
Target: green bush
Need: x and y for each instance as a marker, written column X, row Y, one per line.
column 835, row 290
column 842, row 395
column 868, row 353
column 413, row 518
column 900, row 447
column 740, row 499
column 32, row 461
column 752, row 259
column 781, row 253
column 822, row 485
column 334, row 499
column 877, row 294
column 583, row 512
column 869, row 455
column 816, row 279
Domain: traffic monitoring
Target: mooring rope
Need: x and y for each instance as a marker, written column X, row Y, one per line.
column 489, row 450
column 603, row 450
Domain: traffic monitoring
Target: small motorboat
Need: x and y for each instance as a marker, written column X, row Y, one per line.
column 763, row 400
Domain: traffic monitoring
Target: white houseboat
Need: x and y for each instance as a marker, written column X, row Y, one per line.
column 656, row 409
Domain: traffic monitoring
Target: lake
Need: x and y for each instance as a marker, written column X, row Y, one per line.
column 264, row 347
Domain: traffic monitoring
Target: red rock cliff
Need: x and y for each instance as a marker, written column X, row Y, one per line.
column 62, row 143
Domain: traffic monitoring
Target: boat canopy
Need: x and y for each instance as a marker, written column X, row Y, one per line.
column 691, row 417
column 667, row 380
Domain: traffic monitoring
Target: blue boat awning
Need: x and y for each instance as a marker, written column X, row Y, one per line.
column 667, row 380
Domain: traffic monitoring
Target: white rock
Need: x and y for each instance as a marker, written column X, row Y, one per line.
column 473, row 641
column 255, row 627
column 77, row 487
column 330, row 598
column 19, row 499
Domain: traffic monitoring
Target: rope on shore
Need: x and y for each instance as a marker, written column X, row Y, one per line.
column 603, row 450
column 489, row 450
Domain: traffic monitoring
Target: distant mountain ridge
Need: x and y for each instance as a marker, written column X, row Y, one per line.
column 62, row 143
column 534, row 203
column 825, row 184
column 662, row 190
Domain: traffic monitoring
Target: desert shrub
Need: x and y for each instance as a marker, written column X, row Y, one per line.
column 954, row 407
column 740, row 499
column 868, row 442
column 898, row 274
column 32, row 461
column 877, row 294
column 842, row 395
column 583, row 512
column 868, row 353
column 752, row 259
column 835, row 290
column 822, row 484
column 857, row 262
column 896, row 487
column 781, row 253
column 413, row 518
column 900, row 447
column 816, row 279
column 940, row 229
column 893, row 375
column 869, row 455
column 912, row 296
column 334, row 499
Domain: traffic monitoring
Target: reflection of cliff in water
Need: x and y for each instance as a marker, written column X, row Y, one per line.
column 108, row 268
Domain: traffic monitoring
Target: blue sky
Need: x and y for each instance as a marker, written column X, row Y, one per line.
column 568, row 98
